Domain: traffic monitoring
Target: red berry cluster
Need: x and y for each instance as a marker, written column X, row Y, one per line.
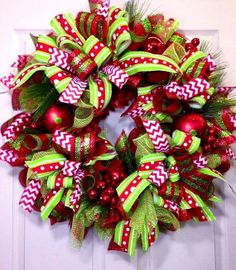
column 211, row 140
column 193, row 44
column 104, row 190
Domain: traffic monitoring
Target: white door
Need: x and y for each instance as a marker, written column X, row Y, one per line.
column 26, row 243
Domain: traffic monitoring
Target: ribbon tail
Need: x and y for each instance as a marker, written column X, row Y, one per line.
column 30, row 194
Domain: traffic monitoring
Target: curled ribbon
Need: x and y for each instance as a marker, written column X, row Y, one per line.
column 89, row 52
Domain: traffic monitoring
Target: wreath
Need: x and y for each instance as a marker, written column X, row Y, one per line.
column 160, row 174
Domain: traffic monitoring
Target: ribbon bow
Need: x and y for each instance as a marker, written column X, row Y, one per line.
column 150, row 171
column 86, row 52
column 62, row 175
column 62, row 178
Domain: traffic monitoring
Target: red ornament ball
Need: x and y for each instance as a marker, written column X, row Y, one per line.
column 195, row 42
column 153, row 44
column 189, row 46
column 57, row 116
column 193, row 124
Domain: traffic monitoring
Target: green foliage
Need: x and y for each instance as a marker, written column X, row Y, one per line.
column 167, row 216
column 217, row 77
column 37, row 98
column 216, row 105
column 50, row 98
column 136, row 10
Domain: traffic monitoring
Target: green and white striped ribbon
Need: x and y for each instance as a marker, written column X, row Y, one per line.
column 133, row 237
column 45, row 160
column 102, row 56
column 43, row 56
column 26, row 73
column 95, row 93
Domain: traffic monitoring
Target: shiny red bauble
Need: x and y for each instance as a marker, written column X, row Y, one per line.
column 192, row 123
column 59, row 115
column 189, row 46
column 153, row 44
column 195, row 42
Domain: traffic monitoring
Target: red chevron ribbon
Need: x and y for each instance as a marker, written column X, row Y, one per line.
column 226, row 90
column 199, row 160
column 172, row 206
column 8, row 156
column 16, row 127
column 64, row 139
column 70, row 168
column 8, row 81
column 59, row 58
column 21, row 61
column 231, row 153
column 74, row 91
column 65, row 24
column 211, row 63
column 156, row 135
column 116, row 75
column 103, row 9
column 233, row 120
column 189, row 90
column 75, row 195
column 159, row 175
column 30, row 194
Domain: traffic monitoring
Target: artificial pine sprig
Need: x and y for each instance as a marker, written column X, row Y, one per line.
column 216, row 105
column 136, row 10
column 217, row 77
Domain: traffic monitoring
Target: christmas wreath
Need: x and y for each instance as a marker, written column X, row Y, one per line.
column 160, row 174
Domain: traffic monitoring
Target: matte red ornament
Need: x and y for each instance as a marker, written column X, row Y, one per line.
column 192, row 123
column 59, row 115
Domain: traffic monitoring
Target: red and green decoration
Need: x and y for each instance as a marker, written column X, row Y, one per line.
column 151, row 180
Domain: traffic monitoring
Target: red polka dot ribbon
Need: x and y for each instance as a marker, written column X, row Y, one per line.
column 61, row 174
column 151, row 171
